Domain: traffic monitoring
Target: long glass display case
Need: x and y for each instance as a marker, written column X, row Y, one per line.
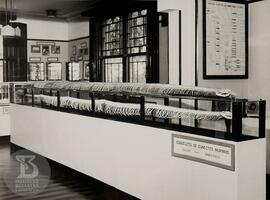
column 152, row 104
column 145, row 131
column 4, row 94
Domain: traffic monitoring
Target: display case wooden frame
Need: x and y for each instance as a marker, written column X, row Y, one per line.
column 239, row 70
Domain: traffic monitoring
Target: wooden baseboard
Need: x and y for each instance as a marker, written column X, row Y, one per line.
column 4, row 139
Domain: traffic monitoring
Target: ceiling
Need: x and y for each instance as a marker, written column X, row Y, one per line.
column 66, row 9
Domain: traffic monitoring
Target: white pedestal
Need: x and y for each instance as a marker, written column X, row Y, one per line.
column 138, row 159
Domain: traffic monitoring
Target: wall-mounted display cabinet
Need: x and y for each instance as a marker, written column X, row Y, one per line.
column 15, row 56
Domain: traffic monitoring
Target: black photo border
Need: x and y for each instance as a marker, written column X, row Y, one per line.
column 205, row 76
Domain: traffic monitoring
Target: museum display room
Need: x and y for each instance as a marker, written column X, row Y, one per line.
column 134, row 99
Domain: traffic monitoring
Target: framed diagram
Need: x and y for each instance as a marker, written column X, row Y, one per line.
column 225, row 41
column 35, row 48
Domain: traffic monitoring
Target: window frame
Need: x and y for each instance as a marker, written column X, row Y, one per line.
column 152, row 76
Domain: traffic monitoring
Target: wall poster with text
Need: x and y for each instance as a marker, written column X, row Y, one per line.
column 225, row 40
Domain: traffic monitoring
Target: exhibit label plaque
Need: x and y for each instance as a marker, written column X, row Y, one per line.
column 210, row 152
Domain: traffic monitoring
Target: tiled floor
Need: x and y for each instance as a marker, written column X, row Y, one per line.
column 62, row 186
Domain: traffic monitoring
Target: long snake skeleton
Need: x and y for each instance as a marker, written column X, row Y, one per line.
column 131, row 109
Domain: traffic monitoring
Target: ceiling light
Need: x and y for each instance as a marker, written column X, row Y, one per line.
column 51, row 13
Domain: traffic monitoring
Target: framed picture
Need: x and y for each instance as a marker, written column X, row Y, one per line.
column 80, row 57
column 83, row 51
column 74, row 49
column 55, row 50
column 35, row 48
column 83, row 45
column 86, row 70
column 225, row 40
column 52, row 59
column 45, row 50
column 34, row 59
column 36, row 71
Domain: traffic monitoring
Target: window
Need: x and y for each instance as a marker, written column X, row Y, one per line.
column 137, row 33
column 125, row 43
column 114, row 69
column 124, row 47
column 54, row 71
column 36, row 71
column 113, row 49
column 112, row 36
column 137, row 66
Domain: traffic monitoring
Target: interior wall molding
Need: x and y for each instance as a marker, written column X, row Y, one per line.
column 49, row 40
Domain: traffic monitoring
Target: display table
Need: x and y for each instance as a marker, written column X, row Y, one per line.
column 146, row 162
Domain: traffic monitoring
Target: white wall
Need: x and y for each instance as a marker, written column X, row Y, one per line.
column 78, row 29
column 51, row 29
column 46, row 29
column 259, row 52
column 187, row 8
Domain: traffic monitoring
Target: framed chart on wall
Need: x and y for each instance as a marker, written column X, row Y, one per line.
column 225, row 40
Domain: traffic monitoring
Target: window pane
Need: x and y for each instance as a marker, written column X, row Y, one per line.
column 36, row 71
column 112, row 37
column 54, row 71
column 137, row 32
column 114, row 70
column 137, row 66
